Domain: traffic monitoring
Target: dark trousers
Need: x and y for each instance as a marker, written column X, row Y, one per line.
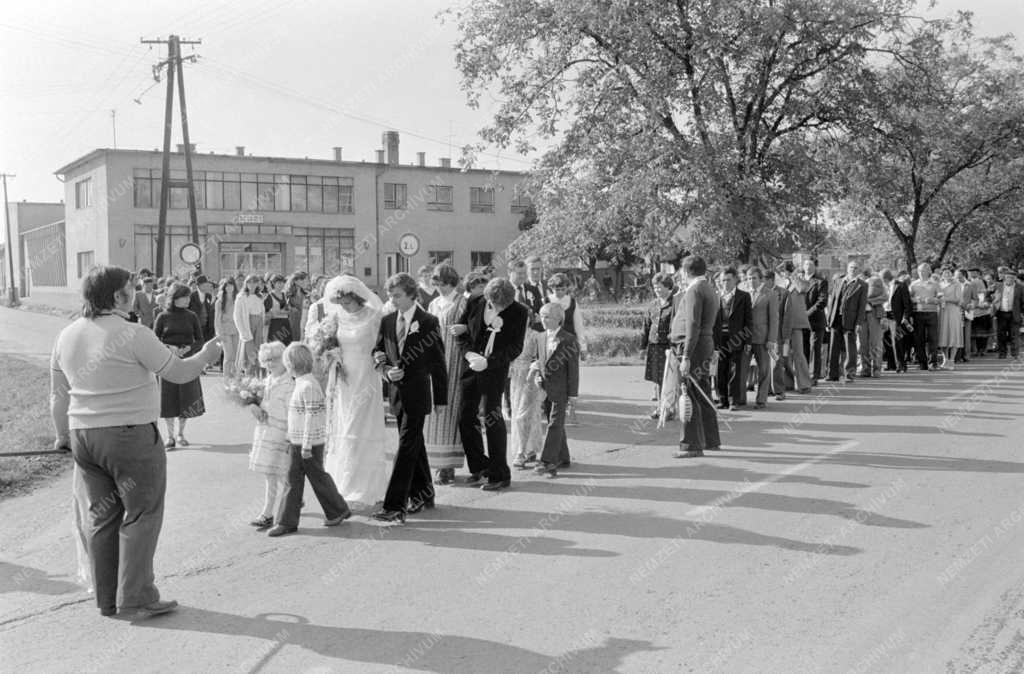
column 485, row 388
column 123, row 475
column 701, row 430
column 732, row 385
column 814, row 345
column 840, row 342
column 926, row 336
column 1006, row 332
column 410, row 475
column 326, row 491
column 556, row 446
column 896, row 343
column 763, row 375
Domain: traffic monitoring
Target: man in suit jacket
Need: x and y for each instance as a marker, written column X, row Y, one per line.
column 410, row 356
column 555, row 356
column 846, row 306
column 144, row 306
column 869, row 331
column 764, row 331
column 201, row 304
column 817, row 301
column 495, row 330
column 693, row 330
column 900, row 336
column 735, row 322
column 1008, row 303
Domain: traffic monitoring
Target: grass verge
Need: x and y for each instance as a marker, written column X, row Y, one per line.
column 25, row 427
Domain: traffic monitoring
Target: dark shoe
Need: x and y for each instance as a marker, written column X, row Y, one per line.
column 108, row 611
column 169, row 444
column 758, row 406
column 497, row 486
column 474, row 478
column 335, row 521
column 418, row 506
column 262, row 522
column 531, row 458
column 832, row 379
column 281, row 531
column 805, row 391
column 563, row 464
column 715, row 449
column 152, row 609
column 687, row 454
column 725, row 406
column 780, row 397
column 389, row 516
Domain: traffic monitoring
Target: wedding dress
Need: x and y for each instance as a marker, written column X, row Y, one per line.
column 356, row 437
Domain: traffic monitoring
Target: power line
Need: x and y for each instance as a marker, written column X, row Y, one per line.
column 328, row 107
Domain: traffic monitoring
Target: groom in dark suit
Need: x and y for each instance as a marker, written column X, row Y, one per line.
column 495, row 329
column 410, row 356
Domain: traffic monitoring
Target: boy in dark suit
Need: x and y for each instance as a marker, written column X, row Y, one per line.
column 556, row 369
column 495, row 329
column 410, row 356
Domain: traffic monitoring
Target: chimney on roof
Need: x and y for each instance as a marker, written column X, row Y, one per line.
column 240, row 150
column 446, row 162
column 380, row 156
column 390, row 142
column 337, row 154
column 421, row 158
column 191, row 147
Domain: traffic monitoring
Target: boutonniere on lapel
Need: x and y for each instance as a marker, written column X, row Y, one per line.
column 494, row 327
column 414, row 327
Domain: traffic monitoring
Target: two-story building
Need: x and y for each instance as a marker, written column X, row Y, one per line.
column 259, row 213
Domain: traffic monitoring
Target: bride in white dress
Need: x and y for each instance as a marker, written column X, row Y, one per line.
column 356, row 437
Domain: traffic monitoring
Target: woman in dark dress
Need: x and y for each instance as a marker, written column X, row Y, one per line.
column 296, row 292
column 657, row 324
column 179, row 329
column 277, row 308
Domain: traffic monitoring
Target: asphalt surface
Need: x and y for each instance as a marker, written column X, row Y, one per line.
column 870, row 527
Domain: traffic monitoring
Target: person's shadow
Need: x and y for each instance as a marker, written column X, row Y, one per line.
column 18, row 578
column 426, row 651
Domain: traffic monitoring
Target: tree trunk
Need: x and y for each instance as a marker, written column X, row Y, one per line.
column 909, row 254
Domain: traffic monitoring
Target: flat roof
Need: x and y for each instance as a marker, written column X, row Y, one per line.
column 102, row 152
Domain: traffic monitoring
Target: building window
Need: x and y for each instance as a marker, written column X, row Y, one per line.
column 83, row 193
column 439, row 197
column 480, row 258
column 345, row 195
column 85, row 261
column 145, row 189
column 395, row 195
column 436, row 257
column 520, row 201
column 324, row 251
column 481, row 200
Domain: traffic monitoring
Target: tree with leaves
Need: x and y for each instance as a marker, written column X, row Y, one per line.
column 721, row 97
column 934, row 142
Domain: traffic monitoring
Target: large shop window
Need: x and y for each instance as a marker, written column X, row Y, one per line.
column 324, row 251
column 239, row 258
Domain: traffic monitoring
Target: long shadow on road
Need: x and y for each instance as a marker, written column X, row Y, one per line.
column 424, row 651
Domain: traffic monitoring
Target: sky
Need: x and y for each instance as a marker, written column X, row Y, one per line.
column 287, row 78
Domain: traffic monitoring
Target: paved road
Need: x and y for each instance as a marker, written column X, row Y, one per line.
column 874, row 527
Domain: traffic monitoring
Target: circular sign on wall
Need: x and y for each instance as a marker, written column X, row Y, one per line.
column 190, row 253
column 409, row 244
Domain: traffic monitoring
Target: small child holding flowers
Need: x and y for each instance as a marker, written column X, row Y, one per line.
column 270, row 453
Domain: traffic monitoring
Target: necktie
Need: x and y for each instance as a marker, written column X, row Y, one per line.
column 401, row 332
column 520, row 295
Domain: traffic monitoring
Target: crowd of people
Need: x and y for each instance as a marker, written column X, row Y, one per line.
column 783, row 329
column 473, row 369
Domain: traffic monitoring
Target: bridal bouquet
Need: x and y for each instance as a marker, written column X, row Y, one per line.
column 245, row 391
column 325, row 346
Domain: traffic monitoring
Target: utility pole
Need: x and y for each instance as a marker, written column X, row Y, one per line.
column 113, row 124
column 174, row 65
column 12, row 300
